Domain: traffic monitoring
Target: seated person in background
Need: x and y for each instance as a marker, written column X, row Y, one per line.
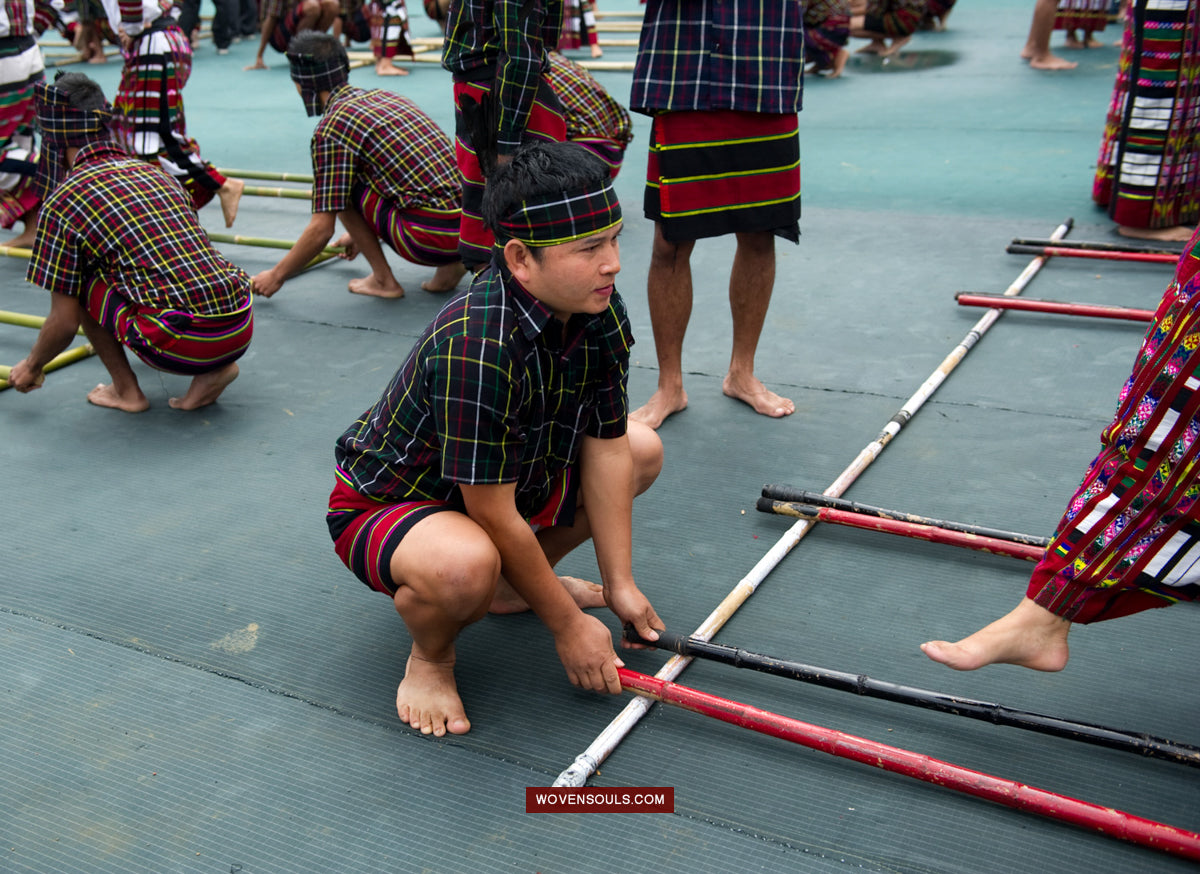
column 503, row 442
column 883, row 20
column 383, row 167
column 119, row 248
column 1129, row 539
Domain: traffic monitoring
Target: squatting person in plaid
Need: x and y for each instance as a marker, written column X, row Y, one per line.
column 119, row 248
column 502, row 443
column 1130, row 537
column 382, row 166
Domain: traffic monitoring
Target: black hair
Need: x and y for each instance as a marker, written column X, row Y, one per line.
column 82, row 92
column 320, row 46
column 539, row 169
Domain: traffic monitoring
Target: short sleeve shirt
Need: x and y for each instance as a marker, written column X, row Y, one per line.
column 496, row 390
column 384, row 141
column 127, row 222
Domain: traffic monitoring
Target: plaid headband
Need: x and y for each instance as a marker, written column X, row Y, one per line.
column 63, row 127
column 315, row 76
column 560, row 217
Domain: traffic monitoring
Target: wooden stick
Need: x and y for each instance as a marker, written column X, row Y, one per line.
column 77, row 353
column 1085, row 732
column 1063, row 252
column 1175, row 249
column 787, row 493
column 589, row 760
column 264, row 242
column 294, row 193
column 593, row 64
column 1094, row 817
column 262, row 174
column 1099, row 311
column 26, row 321
column 929, row 533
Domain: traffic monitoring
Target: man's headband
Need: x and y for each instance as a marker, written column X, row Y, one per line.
column 314, row 76
column 561, row 217
column 63, row 125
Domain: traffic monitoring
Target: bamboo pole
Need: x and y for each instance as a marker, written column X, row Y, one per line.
column 786, row 493
column 26, row 321
column 589, row 760
column 264, row 242
column 1175, row 249
column 929, row 533
column 1085, row 732
column 77, row 353
column 1103, row 255
column 1096, row 310
column 263, row 174
column 16, row 252
column 294, row 193
column 1019, row 796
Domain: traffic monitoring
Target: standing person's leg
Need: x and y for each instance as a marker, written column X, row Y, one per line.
column 669, row 291
column 1037, row 46
column 751, row 282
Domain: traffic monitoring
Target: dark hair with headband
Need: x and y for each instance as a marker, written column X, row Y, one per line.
column 81, row 92
column 318, row 63
column 548, row 194
column 71, row 113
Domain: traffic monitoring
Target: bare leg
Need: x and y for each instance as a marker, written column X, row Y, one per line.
column 205, row 388
column 1030, row 636
column 897, row 44
column 230, row 195
column 670, row 294
column 750, row 284
column 123, row 393
column 1178, row 233
column 382, row 282
column 839, row 62
column 447, row 569
column 445, row 278
column 1037, row 46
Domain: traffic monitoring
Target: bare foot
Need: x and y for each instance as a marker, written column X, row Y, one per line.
column 874, row 47
column 1178, row 233
column 1072, row 42
column 585, row 595
column 758, row 396
column 661, row 405
column 206, row 388
column 230, row 195
column 597, row 52
column 1030, row 636
column 839, row 62
column 897, row 44
column 104, row 395
column 371, row 286
column 445, row 278
column 1050, row 61
column 386, row 67
column 427, row 698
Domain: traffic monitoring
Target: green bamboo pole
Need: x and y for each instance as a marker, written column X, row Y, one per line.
column 16, row 252
column 62, row 360
column 294, row 193
column 264, row 242
column 25, row 321
column 263, row 174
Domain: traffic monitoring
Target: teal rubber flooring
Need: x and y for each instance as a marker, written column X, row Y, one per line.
column 190, row 681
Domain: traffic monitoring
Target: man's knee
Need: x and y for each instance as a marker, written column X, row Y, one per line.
column 451, row 566
column 647, row 450
column 668, row 254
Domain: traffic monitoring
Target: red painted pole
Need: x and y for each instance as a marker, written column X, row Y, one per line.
column 1094, row 817
column 1104, row 255
column 914, row 530
column 1100, row 311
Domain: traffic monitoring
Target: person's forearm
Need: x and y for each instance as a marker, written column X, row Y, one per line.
column 606, row 472
column 55, row 335
column 310, row 244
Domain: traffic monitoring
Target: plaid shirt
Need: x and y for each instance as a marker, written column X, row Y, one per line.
column 589, row 111
column 743, row 55
column 489, row 39
column 127, row 222
column 494, row 391
column 384, row 141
